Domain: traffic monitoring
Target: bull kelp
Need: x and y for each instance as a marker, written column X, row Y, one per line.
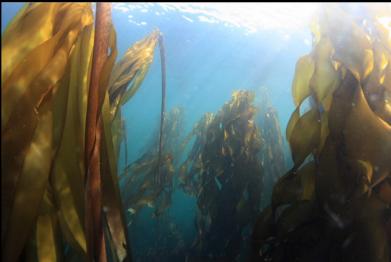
column 55, row 84
column 334, row 205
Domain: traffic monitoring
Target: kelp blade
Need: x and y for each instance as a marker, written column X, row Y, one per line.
column 27, row 121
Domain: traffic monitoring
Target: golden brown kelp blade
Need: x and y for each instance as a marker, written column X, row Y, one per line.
column 131, row 70
column 30, row 78
column 45, row 94
column 67, row 176
column 126, row 78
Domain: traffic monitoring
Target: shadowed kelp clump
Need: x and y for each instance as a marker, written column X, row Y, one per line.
column 227, row 180
column 139, row 184
column 334, row 205
column 192, row 168
column 273, row 160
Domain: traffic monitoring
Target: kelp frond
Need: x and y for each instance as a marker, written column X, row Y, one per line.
column 35, row 73
column 130, row 71
column 340, row 146
column 46, row 66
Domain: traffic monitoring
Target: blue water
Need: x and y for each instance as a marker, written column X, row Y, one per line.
column 205, row 63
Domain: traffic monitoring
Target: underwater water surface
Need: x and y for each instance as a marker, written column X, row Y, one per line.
column 229, row 59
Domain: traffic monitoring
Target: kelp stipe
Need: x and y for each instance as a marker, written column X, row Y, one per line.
column 163, row 65
column 332, row 205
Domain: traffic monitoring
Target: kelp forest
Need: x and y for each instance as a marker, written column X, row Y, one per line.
column 318, row 189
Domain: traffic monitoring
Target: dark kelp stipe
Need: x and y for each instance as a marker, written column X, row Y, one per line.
column 46, row 76
column 334, row 204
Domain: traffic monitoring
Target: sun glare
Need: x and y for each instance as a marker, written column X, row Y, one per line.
column 248, row 16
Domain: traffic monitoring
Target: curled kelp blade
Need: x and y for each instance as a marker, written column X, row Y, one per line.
column 301, row 83
column 305, row 136
column 129, row 72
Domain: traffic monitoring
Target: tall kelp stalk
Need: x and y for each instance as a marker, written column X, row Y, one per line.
column 96, row 249
column 334, row 205
column 139, row 177
column 46, row 74
column 228, row 182
column 163, row 65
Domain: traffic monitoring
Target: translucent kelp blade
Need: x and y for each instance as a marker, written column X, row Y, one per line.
column 39, row 70
column 17, row 42
column 131, row 69
column 28, row 125
column 22, row 107
column 301, row 83
column 324, row 80
column 292, row 122
column 68, row 165
column 305, row 136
